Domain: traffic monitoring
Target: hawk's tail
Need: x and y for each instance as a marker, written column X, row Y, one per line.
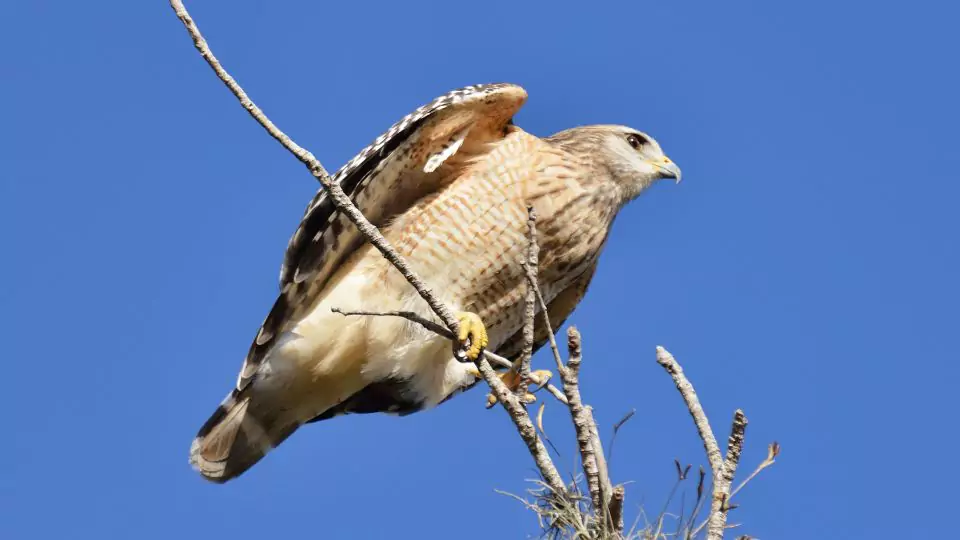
column 235, row 438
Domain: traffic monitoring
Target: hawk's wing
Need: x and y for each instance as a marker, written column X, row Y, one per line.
column 385, row 179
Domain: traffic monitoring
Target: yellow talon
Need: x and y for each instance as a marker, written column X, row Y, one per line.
column 511, row 378
column 472, row 336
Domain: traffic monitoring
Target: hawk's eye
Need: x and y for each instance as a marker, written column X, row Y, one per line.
column 634, row 141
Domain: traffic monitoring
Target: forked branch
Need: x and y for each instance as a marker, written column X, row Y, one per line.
column 723, row 469
column 340, row 199
column 343, row 204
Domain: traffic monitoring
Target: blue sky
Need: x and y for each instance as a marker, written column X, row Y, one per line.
column 805, row 270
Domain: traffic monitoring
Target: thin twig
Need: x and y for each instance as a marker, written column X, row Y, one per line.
column 409, row 315
column 557, row 357
column 540, row 409
column 200, row 43
column 723, row 469
column 518, row 413
column 697, row 506
column 714, row 457
column 772, row 451
column 666, row 503
column 493, row 358
column 530, row 302
column 543, row 432
column 616, row 429
column 683, row 503
column 340, row 200
column 557, row 393
column 497, row 360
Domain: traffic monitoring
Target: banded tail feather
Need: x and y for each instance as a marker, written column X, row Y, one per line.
column 236, row 437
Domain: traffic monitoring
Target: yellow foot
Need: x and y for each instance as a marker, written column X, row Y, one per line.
column 511, row 378
column 473, row 335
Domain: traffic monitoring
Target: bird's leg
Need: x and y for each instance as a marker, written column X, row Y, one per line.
column 472, row 338
column 511, row 378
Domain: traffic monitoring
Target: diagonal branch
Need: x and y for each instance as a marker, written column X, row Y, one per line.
column 773, row 450
column 340, row 199
column 343, row 204
column 557, row 393
column 723, row 468
column 714, row 457
column 521, row 419
column 200, row 43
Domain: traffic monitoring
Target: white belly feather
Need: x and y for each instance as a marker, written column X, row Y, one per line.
column 327, row 357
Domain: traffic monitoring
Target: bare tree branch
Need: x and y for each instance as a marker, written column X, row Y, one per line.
column 581, row 417
column 696, row 507
column 717, row 521
column 616, row 509
column 493, row 358
column 340, row 200
column 607, row 501
column 773, row 450
column 714, row 457
column 537, row 450
column 343, row 204
column 411, row 316
column 616, row 429
column 603, row 474
column 531, row 278
column 530, row 303
column 557, row 393
column 525, row 427
column 592, row 455
column 201, row 44
column 723, row 468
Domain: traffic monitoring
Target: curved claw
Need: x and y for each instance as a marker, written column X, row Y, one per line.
column 472, row 338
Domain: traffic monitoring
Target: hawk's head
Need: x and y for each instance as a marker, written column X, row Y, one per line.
column 632, row 159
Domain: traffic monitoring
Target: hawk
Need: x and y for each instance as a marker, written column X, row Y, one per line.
column 448, row 185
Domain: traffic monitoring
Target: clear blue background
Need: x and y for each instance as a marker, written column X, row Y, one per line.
column 805, row 270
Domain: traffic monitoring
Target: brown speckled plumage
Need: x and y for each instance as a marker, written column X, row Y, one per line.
column 448, row 185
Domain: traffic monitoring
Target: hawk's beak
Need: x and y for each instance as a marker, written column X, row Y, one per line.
column 668, row 168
